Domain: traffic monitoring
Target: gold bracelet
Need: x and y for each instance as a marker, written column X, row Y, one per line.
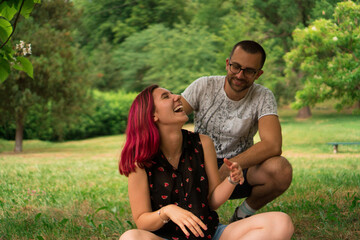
column 164, row 221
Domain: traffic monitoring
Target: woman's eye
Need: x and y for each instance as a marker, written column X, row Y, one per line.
column 165, row 96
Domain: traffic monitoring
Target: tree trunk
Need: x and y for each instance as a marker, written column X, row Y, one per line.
column 305, row 112
column 19, row 132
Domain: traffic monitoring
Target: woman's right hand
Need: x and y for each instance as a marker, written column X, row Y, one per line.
column 185, row 219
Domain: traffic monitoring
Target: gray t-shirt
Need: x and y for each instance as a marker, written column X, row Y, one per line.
column 232, row 125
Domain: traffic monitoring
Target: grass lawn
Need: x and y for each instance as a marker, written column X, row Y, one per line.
column 72, row 190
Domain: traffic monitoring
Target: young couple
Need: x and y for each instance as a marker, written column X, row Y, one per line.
column 174, row 183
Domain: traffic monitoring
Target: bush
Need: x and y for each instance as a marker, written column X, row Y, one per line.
column 106, row 115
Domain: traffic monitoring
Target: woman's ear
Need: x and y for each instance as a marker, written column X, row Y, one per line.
column 155, row 118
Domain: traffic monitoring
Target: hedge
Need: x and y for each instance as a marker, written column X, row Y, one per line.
column 106, row 115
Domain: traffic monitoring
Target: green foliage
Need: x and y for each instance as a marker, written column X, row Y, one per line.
column 172, row 58
column 121, row 44
column 210, row 13
column 236, row 27
column 149, row 30
column 106, row 115
column 326, row 59
column 280, row 19
column 8, row 57
column 103, row 71
column 116, row 20
column 60, row 86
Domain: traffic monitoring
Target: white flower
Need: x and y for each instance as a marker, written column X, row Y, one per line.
column 21, row 44
column 335, row 38
column 314, row 28
column 28, row 47
column 23, row 49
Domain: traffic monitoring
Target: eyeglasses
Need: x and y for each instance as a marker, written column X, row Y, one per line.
column 248, row 72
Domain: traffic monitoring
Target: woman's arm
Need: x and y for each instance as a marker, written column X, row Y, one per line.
column 146, row 219
column 219, row 191
column 139, row 196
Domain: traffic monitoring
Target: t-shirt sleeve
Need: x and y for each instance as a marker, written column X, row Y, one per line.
column 194, row 91
column 268, row 105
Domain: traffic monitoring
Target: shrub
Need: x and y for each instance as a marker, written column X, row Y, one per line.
column 106, row 115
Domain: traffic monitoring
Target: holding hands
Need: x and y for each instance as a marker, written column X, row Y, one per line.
column 236, row 174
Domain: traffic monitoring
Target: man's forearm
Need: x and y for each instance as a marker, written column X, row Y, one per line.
column 255, row 155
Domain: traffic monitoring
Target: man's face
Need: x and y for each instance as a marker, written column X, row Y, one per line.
column 239, row 83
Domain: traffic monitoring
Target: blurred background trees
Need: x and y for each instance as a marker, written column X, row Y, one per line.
column 84, row 51
column 326, row 57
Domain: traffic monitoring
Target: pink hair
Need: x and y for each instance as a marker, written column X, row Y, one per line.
column 142, row 135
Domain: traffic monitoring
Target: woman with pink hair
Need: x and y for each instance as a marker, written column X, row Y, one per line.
column 173, row 182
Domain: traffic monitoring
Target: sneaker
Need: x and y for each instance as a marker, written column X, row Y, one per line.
column 235, row 218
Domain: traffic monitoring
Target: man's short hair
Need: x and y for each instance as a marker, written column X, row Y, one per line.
column 251, row 47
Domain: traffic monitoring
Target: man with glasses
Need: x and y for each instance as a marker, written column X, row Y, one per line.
column 231, row 109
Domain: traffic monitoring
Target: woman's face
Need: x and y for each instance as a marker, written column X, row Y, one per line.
column 168, row 108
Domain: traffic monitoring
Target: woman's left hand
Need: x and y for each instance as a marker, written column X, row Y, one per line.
column 236, row 173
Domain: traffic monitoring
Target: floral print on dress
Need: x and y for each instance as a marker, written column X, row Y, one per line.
column 185, row 186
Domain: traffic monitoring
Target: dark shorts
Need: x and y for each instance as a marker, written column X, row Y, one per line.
column 240, row 191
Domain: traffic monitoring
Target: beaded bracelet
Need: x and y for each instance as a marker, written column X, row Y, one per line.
column 164, row 221
column 231, row 181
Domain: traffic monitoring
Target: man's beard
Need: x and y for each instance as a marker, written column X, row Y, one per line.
column 245, row 84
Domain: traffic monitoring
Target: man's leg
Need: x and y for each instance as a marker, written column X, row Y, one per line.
column 263, row 183
column 269, row 180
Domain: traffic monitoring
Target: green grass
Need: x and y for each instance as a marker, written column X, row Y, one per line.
column 72, row 190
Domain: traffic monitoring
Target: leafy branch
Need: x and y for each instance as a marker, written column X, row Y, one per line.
column 16, row 20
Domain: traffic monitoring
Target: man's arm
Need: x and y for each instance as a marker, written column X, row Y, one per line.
column 269, row 146
column 187, row 108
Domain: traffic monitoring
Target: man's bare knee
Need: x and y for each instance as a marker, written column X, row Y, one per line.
column 285, row 174
column 280, row 171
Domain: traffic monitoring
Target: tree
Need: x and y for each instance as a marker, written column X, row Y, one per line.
column 282, row 18
column 326, row 56
column 103, row 71
column 59, row 84
column 115, row 20
column 172, row 58
column 8, row 57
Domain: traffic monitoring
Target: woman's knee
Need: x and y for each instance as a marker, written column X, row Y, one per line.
column 283, row 226
column 130, row 234
column 135, row 234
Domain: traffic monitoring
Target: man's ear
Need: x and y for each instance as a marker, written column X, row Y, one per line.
column 259, row 74
column 227, row 64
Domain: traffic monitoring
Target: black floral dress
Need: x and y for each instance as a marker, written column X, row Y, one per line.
column 187, row 187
